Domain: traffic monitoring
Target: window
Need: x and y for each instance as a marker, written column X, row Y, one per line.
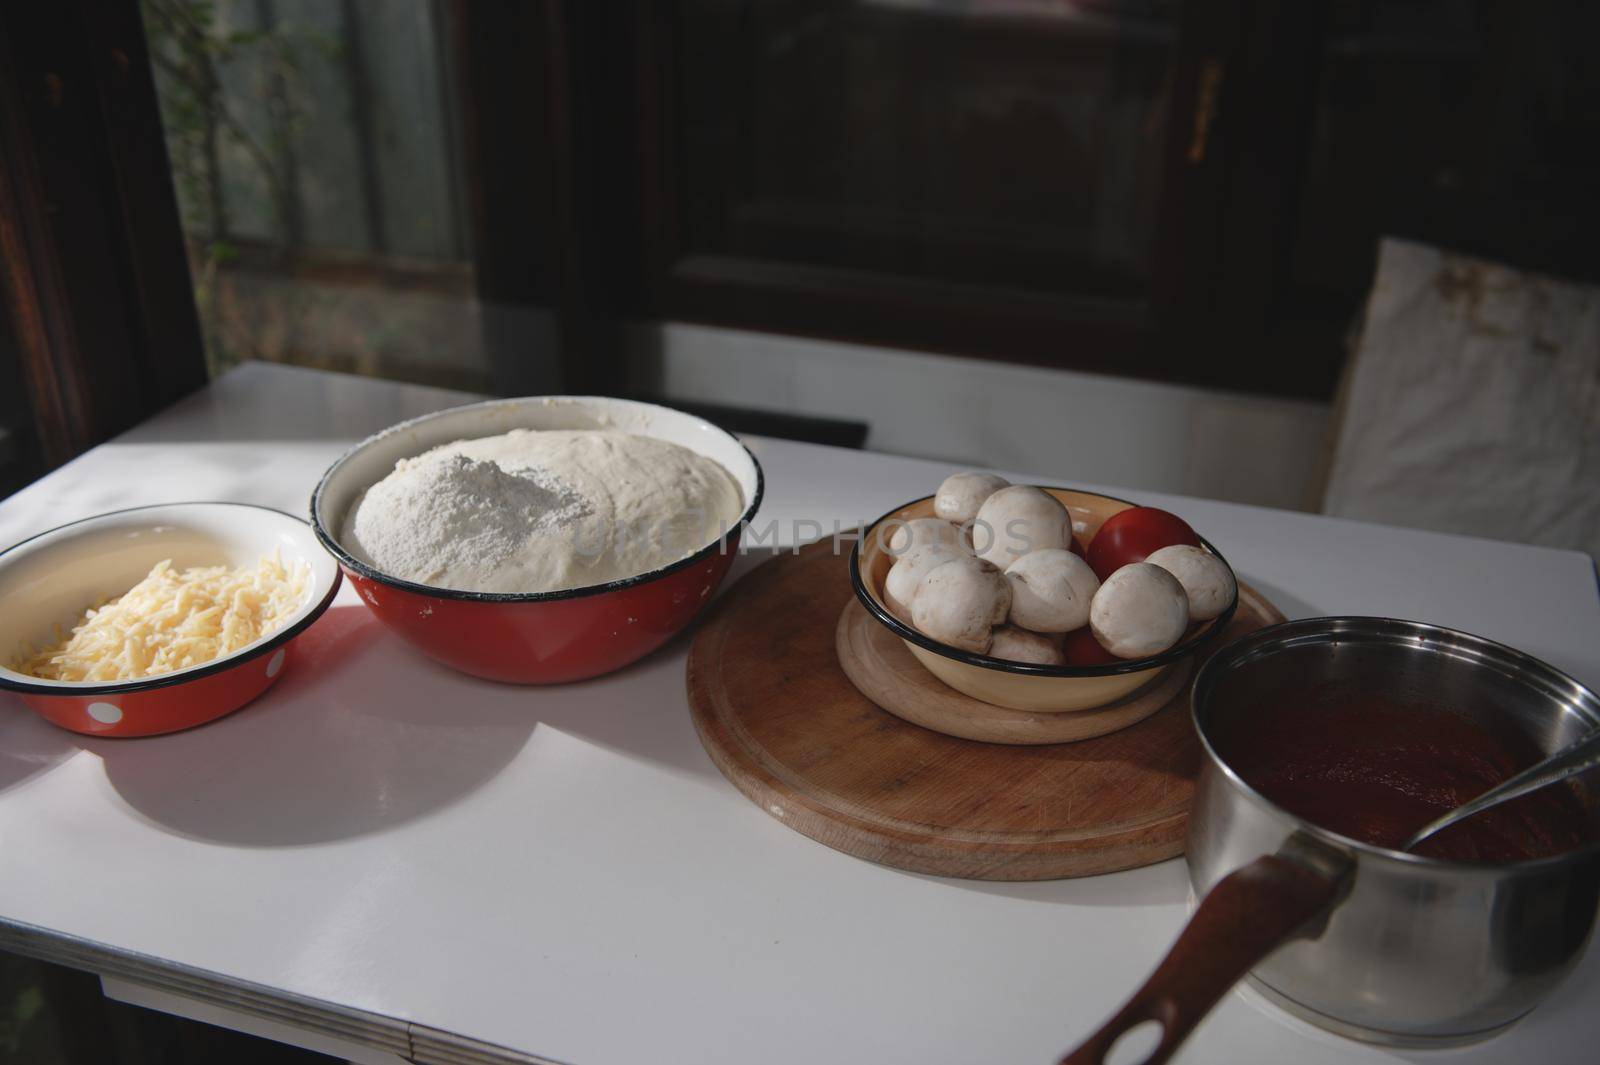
column 316, row 157
column 487, row 195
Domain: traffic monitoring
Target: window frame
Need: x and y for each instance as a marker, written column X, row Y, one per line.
column 1210, row 317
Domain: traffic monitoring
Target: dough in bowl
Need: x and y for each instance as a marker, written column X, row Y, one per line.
column 541, row 511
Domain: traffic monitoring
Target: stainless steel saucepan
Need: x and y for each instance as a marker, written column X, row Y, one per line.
column 1377, row 944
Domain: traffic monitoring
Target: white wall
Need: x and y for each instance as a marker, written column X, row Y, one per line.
column 1075, row 427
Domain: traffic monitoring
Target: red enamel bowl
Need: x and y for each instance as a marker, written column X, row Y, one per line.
column 49, row 581
column 539, row 637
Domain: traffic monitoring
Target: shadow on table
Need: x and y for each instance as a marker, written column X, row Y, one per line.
column 28, row 745
column 363, row 734
column 346, row 744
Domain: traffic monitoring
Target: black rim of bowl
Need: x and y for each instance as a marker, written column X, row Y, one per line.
column 1177, row 651
column 76, row 690
column 349, row 561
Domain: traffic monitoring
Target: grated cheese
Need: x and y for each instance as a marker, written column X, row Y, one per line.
column 172, row 620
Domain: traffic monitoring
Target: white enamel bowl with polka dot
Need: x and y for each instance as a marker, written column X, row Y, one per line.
column 49, row 580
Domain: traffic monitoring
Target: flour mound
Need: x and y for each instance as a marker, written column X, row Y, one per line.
column 451, row 513
column 541, row 511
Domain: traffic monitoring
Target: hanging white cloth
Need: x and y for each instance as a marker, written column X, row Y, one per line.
column 1473, row 404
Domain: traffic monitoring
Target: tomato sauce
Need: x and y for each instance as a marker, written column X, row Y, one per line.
column 1377, row 771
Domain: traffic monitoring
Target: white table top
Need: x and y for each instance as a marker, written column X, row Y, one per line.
column 562, row 871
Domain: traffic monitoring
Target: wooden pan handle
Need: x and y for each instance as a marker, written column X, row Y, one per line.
column 1246, row 916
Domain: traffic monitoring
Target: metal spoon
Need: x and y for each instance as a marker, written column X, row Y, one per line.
column 1571, row 760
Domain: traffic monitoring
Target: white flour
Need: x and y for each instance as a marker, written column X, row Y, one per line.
column 459, row 513
column 541, row 511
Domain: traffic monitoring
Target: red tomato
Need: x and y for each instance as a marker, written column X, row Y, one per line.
column 1131, row 535
column 1082, row 649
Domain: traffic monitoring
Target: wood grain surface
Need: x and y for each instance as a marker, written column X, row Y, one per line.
column 782, row 721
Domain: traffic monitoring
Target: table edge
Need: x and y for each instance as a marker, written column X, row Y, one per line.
column 417, row 1042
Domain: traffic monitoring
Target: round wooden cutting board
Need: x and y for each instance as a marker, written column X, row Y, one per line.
column 782, row 721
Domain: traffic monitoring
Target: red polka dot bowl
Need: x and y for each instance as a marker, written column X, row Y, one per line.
column 51, row 579
column 537, row 637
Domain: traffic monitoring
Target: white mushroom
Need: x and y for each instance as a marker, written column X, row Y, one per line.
column 1018, row 520
column 1020, row 645
column 1051, row 590
column 905, row 576
column 1140, row 610
column 962, row 494
column 918, row 531
column 1206, row 579
column 960, row 603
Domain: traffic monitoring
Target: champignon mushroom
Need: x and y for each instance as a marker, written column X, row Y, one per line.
column 918, row 531
column 1206, row 579
column 960, row 602
column 905, row 576
column 1018, row 520
column 1020, row 645
column 1051, row 590
column 962, row 494
column 1139, row 610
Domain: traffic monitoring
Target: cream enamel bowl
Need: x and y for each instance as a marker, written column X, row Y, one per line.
column 52, row 578
column 1018, row 685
